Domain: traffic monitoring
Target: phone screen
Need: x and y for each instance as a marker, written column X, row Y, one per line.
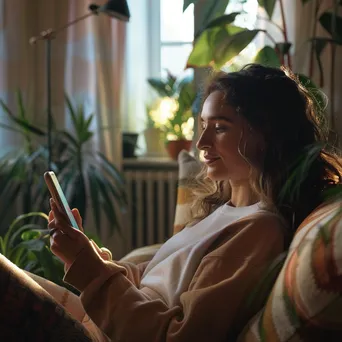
column 59, row 197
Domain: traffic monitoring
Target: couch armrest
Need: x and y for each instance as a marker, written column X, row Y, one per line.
column 140, row 255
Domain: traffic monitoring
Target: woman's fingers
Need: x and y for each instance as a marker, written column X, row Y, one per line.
column 77, row 217
column 61, row 221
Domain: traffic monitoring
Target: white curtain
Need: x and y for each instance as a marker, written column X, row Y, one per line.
column 88, row 63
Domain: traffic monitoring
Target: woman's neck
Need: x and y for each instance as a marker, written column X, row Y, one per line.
column 242, row 195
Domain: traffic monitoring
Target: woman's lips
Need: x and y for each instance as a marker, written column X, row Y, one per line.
column 210, row 160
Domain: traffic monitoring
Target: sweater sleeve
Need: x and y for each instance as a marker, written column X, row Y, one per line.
column 206, row 310
column 133, row 272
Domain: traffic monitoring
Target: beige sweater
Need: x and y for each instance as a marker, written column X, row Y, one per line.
column 210, row 307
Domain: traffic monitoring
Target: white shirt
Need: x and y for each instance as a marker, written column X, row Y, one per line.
column 171, row 270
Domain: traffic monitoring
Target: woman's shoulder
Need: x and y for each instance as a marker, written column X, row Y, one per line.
column 256, row 228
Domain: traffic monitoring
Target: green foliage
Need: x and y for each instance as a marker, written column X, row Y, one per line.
column 220, row 42
column 211, row 10
column 83, row 173
column 26, row 244
column 268, row 56
column 183, row 91
column 218, row 45
column 327, row 21
column 268, row 5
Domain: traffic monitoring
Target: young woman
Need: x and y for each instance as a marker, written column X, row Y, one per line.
column 256, row 125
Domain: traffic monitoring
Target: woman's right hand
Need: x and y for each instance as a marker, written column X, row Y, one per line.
column 103, row 252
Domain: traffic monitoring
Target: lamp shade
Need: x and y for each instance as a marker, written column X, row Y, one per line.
column 117, row 9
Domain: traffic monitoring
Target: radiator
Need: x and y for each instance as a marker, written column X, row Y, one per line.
column 151, row 193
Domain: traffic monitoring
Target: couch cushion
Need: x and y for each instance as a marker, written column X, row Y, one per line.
column 188, row 168
column 306, row 300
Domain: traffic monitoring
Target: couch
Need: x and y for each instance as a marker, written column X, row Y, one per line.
column 300, row 294
column 304, row 300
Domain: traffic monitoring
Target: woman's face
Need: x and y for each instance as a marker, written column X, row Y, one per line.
column 224, row 134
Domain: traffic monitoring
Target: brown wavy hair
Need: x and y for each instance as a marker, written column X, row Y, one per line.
column 298, row 166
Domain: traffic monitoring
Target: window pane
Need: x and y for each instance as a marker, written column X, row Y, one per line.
column 175, row 25
column 174, row 58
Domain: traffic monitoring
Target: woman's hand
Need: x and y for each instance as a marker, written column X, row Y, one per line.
column 66, row 242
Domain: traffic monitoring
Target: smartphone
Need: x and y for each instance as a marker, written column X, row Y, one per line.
column 58, row 195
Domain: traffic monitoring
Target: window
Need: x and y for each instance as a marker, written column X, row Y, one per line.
column 177, row 33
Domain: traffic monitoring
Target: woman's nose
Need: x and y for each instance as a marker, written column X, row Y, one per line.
column 203, row 143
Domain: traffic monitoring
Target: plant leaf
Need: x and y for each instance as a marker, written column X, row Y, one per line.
column 10, row 128
column 202, row 52
column 319, row 45
column 223, row 20
column 268, row 5
column 187, row 3
column 21, row 123
column 210, row 10
column 284, row 48
column 35, row 245
column 230, row 46
column 268, row 57
column 326, row 21
column 70, row 139
column 161, row 87
column 72, row 111
column 113, row 171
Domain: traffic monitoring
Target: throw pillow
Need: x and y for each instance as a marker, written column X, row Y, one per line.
column 189, row 166
column 306, row 300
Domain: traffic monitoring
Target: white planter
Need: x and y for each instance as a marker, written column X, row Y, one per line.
column 155, row 146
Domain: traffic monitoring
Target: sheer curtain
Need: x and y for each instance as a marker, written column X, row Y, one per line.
column 87, row 63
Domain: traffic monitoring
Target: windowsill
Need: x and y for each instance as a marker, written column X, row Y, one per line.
column 150, row 163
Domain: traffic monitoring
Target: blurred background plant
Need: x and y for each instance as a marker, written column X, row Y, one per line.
column 220, row 43
column 27, row 245
column 172, row 110
column 84, row 174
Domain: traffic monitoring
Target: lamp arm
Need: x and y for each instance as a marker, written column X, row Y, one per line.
column 51, row 34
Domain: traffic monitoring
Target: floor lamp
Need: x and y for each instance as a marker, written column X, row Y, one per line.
column 117, row 9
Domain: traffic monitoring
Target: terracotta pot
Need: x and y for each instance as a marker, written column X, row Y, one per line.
column 173, row 147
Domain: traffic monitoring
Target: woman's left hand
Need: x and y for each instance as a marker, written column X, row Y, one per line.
column 66, row 242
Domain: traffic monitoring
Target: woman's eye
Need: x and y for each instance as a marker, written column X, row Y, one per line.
column 220, row 129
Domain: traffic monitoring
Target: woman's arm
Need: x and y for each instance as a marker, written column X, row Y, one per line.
column 206, row 311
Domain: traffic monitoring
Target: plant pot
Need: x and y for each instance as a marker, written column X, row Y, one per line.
column 154, row 139
column 173, row 147
column 129, row 144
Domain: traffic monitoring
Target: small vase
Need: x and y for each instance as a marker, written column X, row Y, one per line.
column 129, row 144
column 173, row 147
column 154, row 139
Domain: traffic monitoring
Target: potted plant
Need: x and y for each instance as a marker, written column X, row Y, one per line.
column 220, row 41
column 85, row 175
column 173, row 111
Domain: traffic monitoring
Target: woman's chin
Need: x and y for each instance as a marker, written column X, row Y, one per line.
column 215, row 175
